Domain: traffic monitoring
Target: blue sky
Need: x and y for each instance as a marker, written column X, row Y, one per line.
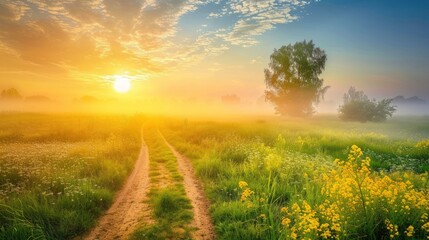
column 380, row 47
column 369, row 40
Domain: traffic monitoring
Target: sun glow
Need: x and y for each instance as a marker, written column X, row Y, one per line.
column 122, row 84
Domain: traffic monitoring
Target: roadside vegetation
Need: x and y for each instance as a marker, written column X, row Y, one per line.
column 313, row 179
column 59, row 174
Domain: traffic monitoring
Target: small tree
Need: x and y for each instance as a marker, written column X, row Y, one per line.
column 358, row 107
column 292, row 79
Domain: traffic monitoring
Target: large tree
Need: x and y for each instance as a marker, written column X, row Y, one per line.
column 292, row 79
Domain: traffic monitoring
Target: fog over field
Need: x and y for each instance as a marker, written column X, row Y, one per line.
column 211, row 106
column 214, row 119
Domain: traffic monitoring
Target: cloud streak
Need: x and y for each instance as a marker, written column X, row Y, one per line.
column 139, row 36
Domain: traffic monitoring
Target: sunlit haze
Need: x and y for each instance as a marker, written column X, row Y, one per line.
column 214, row 119
column 122, row 84
column 209, row 56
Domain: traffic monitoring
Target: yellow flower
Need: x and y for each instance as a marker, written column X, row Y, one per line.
column 410, row 231
column 245, row 194
column 284, row 210
column 326, row 234
column 263, row 216
column 393, row 229
column 286, row 222
column 350, row 188
column 426, row 227
column 242, row 184
column 423, row 144
column 296, row 208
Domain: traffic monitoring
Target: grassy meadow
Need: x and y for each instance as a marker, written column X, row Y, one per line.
column 58, row 174
column 265, row 178
column 313, row 179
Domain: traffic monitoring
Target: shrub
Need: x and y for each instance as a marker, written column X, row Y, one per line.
column 358, row 107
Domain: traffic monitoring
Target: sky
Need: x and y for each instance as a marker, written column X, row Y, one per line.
column 188, row 53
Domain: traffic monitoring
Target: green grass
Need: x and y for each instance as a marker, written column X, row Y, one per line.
column 171, row 208
column 59, row 173
column 281, row 162
column 390, row 144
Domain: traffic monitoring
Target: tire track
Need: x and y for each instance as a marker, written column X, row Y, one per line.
column 194, row 191
column 129, row 207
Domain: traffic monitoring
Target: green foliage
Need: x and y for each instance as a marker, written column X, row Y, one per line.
column 16, row 226
column 58, row 190
column 62, row 172
column 281, row 163
column 292, row 79
column 169, row 203
column 358, row 107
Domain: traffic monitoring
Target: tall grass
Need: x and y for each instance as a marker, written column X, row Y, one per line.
column 269, row 180
column 61, row 173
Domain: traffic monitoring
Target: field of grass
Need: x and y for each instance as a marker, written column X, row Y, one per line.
column 318, row 178
column 265, row 178
column 59, row 173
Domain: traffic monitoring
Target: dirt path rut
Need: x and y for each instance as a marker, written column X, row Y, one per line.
column 129, row 207
column 194, row 191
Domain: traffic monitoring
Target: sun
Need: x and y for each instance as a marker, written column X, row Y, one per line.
column 122, row 84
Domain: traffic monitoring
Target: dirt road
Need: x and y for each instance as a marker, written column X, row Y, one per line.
column 194, row 191
column 129, row 206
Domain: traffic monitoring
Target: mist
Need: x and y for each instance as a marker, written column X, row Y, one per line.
column 223, row 106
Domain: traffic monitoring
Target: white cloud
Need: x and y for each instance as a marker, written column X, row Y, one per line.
column 140, row 34
column 256, row 17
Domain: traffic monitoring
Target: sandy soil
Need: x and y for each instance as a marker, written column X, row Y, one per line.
column 129, row 207
column 194, row 191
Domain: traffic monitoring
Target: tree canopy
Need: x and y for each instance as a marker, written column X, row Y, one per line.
column 292, row 78
column 358, row 107
column 10, row 94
